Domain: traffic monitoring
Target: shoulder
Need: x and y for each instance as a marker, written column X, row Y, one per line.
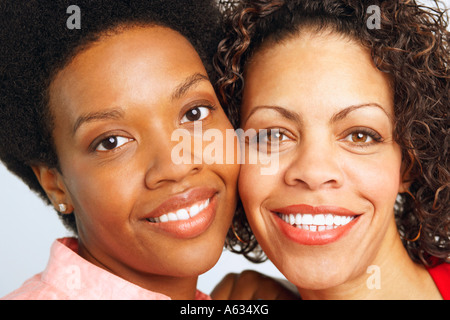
column 35, row 289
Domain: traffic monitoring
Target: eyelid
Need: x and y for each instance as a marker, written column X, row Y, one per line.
column 376, row 137
column 263, row 133
column 119, row 144
column 97, row 141
column 205, row 104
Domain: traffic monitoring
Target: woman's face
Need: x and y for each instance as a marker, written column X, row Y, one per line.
column 115, row 108
column 325, row 214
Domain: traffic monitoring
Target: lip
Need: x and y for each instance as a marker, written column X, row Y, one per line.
column 307, row 237
column 193, row 226
column 304, row 208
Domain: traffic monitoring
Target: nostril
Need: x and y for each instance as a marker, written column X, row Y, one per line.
column 167, row 172
column 314, row 174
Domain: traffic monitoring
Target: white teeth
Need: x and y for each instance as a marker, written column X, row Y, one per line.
column 307, row 219
column 317, row 222
column 172, row 216
column 194, row 210
column 291, row 219
column 337, row 220
column 181, row 214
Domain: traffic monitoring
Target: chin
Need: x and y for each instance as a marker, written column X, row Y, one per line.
column 315, row 273
column 201, row 259
column 317, row 282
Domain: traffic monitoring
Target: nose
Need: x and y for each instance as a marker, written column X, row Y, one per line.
column 315, row 166
column 163, row 169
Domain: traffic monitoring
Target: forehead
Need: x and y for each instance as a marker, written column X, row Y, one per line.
column 323, row 69
column 139, row 62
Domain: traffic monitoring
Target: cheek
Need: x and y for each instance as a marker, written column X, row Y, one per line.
column 254, row 188
column 377, row 178
column 101, row 194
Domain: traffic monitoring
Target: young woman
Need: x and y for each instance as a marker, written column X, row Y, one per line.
column 353, row 100
column 87, row 116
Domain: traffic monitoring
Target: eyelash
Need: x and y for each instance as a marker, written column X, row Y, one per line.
column 98, row 142
column 261, row 143
column 372, row 134
column 375, row 136
column 209, row 107
column 267, row 132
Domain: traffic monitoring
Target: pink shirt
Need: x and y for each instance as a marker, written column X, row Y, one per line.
column 70, row 277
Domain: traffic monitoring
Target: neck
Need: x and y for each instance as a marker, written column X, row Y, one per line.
column 177, row 288
column 391, row 275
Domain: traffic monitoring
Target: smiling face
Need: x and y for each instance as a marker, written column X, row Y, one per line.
column 327, row 212
column 115, row 107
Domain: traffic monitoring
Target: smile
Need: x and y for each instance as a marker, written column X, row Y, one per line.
column 309, row 225
column 181, row 214
column 185, row 215
column 317, row 222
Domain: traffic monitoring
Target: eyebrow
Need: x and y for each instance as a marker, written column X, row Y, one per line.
column 113, row 114
column 283, row 111
column 117, row 113
column 335, row 118
column 188, row 84
column 344, row 112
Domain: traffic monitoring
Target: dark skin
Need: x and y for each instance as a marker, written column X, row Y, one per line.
column 115, row 107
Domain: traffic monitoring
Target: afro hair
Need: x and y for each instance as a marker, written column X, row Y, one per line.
column 36, row 42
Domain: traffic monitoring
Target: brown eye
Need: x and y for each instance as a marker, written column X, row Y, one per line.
column 196, row 114
column 363, row 137
column 360, row 137
column 193, row 114
column 111, row 143
column 275, row 136
column 269, row 140
column 270, row 136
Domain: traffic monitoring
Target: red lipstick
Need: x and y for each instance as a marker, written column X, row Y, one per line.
column 314, row 225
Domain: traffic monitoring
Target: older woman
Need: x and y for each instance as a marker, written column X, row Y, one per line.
column 353, row 100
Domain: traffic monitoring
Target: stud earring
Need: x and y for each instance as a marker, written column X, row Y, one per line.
column 62, row 207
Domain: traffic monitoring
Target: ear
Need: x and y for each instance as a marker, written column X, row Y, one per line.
column 52, row 182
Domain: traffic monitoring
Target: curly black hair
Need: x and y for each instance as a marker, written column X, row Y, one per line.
column 36, row 43
column 411, row 44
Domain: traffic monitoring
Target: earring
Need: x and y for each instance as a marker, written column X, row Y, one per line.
column 62, row 207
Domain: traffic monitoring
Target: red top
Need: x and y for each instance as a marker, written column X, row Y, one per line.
column 441, row 276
